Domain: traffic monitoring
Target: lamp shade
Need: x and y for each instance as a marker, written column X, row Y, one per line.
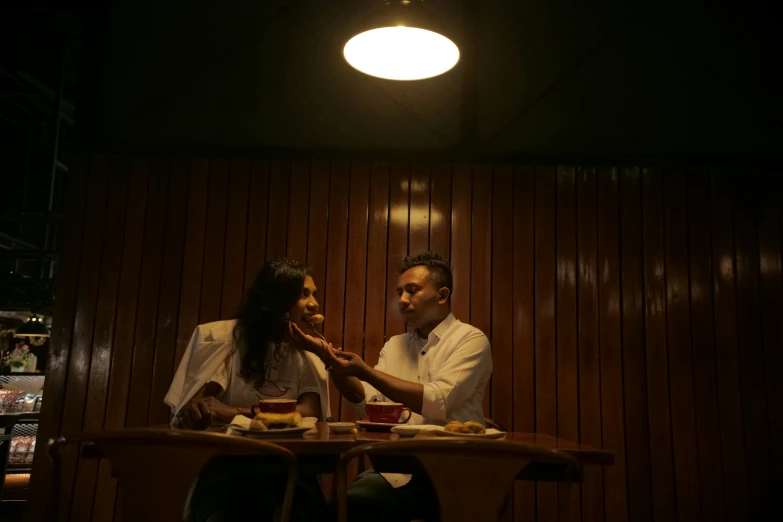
column 34, row 327
column 402, row 40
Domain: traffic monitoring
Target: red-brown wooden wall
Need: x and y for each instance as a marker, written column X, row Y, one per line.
column 638, row 309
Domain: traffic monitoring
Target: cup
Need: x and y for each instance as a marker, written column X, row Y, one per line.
column 387, row 412
column 274, row 406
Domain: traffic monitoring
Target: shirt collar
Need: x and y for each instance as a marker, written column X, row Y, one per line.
column 440, row 330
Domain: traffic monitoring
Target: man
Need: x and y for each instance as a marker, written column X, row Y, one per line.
column 439, row 370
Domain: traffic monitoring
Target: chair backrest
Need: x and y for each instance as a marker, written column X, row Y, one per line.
column 471, row 476
column 156, row 468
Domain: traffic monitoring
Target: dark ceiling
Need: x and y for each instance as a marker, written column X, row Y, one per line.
column 619, row 77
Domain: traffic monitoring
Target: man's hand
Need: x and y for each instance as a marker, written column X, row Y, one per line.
column 348, row 364
column 206, row 411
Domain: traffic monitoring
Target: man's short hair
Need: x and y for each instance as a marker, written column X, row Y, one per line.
column 439, row 269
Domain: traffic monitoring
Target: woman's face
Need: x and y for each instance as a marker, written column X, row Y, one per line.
column 306, row 306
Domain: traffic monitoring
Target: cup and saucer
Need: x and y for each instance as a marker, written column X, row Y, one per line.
column 383, row 416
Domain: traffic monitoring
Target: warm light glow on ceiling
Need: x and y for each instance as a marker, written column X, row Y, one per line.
column 401, row 53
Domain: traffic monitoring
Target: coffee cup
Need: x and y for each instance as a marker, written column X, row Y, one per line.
column 387, row 412
column 274, row 406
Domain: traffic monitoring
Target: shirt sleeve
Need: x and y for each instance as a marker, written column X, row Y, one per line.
column 308, row 380
column 454, row 383
column 221, row 378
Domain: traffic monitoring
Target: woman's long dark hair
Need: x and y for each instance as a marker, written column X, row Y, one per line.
column 262, row 318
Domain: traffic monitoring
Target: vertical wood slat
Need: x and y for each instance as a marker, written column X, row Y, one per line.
column 100, row 365
column 356, row 268
column 236, row 238
column 462, row 187
column 317, row 232
column 683, row 412
column 440, row 209
column 751, row 352
column 657, row 358
column 523, row 373
column 298, row 211
column 214, row 242
column 545, row 326
column 257, row 215
column 60, row 340
column 703, row 338
column 611, row 345
column 634, row 360
column 377, row 290
column 419, row 229
column 168, row 306
column 397, row 247
column 589, row 351
column 335, row 264
column 83, row 331
column 277, row 231
column 726, row 356
column 481, row 260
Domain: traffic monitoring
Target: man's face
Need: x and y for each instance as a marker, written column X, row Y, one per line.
column 419, row 300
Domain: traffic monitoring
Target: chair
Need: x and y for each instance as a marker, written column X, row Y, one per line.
column 157, row 468
column 471, row 477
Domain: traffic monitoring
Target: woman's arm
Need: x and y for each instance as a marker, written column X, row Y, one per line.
column 203, row 408
column 309, row 405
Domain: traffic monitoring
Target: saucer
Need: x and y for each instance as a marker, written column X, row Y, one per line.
column 377, row 426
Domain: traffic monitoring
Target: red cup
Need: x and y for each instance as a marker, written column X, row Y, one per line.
column 387, row 412
column 274, row 406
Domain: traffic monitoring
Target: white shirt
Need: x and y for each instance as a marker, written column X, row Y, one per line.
column 454, row 364
column 287, row 376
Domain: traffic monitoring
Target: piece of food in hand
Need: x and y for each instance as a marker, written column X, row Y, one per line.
column 456, row 427
column 475, row 427
column 276, row 421
column 315, row 319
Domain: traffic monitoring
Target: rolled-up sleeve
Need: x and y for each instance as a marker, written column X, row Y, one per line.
column 463, row 375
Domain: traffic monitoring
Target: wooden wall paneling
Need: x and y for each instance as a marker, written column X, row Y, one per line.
column 377, row 290
column 236, row 238
column 589, row 351
column 277, row 232
column 336, row 264
column 726, row 356
column 567, row 355
column 545, row 327
column 703, row 339
column 751, row 349
column 84, row 325
column 149, row 291
column 317, row 230
column 678, row 323
column 440, row 209
column 657, row 361
column 257, row 216
column 502, row 295
column 298, row 211
column 100, row 365
column 481, row 261
column 214, row 242
column 122, row 352
column 60, row 340
column 771, row 305
column 356, row 269
column 419, row 229
column 523, row 306
column 168, row 305
column 615, row 494
column 502, row 319
column 397, row 249
column 461, row 201
column 634, row 357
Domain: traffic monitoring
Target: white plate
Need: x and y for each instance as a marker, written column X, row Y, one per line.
column 489, row 434
column 410, row 430
column 283, row 433
column 377, row 426
column 342, row 427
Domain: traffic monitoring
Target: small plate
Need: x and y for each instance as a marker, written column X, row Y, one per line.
column 489, row 434
column 342, row 427
column 376, row 426
column 284, row 433
column 411, row 430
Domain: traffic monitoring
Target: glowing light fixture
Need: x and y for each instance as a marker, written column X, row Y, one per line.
column 34, row 328
column 402, row 42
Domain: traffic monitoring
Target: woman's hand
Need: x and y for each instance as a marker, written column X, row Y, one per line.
column 204, row 412
column 295, row 336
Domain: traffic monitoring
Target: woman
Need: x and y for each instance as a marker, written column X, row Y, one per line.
column 228, row 367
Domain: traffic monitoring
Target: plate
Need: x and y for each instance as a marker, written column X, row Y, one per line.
column 489, row 434
column 342, row 427
column 376, row 426
column 411, row 430
column 284, row 433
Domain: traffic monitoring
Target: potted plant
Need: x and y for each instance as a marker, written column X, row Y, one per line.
column 20, row 358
